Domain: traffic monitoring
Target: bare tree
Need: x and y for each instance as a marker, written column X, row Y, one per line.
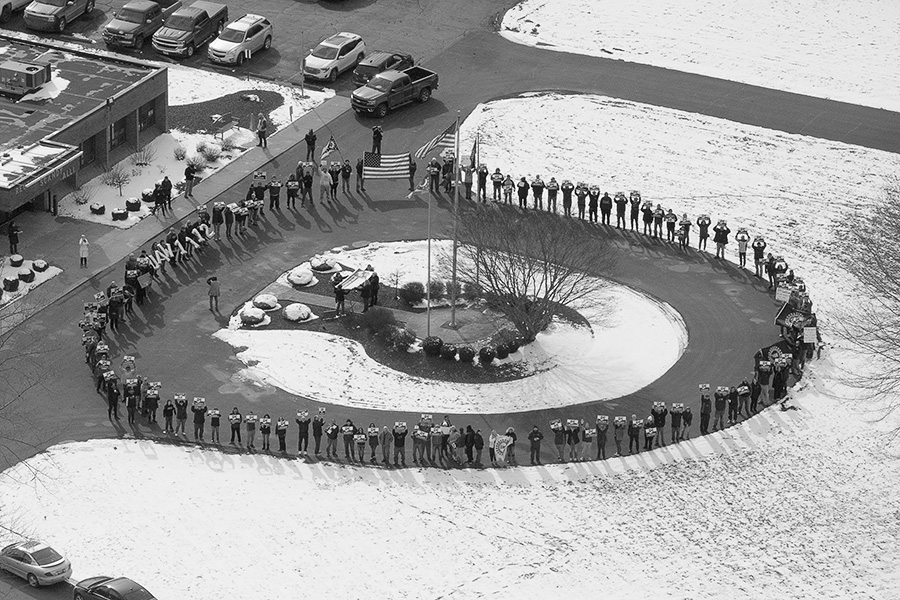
column 875, row 330
column 117, row 176
column 530, row 264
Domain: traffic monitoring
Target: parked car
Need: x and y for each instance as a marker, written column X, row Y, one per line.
column 54, row 15
column 8, row 6
column 379, row 62
column 190, row 27
column 239, row 40
column 138, row 21
column 35, row 562
column 108, row 588
column 334, row 55
column 386, row 91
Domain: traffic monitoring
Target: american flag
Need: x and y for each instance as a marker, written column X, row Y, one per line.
column 385, row 166
column 446, row 139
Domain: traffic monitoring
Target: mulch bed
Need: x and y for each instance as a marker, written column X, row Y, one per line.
column 197, row 118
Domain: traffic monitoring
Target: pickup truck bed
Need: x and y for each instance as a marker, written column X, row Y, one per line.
column 391, row 89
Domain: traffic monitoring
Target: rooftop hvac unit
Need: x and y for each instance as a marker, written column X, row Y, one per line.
column 20, row 78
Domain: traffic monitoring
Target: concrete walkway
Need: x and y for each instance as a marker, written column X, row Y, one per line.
column 56, row 241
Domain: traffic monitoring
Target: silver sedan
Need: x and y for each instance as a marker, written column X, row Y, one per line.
column 36, row 562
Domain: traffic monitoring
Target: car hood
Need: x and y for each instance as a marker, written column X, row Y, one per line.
column 39, row 8
column 86, row 583
column 172, row 34
column 367, row 93
column 119, row 26
column 220, row 45
column 314, row 62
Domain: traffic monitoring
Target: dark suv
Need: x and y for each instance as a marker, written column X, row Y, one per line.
column 378, row 62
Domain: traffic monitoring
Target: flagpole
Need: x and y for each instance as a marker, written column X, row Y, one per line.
column 428, row 286
column 455, row 227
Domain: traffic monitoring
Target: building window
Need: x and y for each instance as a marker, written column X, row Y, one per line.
column 147, row 115
column 117, row 133
column 89, row 150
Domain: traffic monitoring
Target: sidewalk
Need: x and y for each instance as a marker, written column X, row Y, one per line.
column 55, row 239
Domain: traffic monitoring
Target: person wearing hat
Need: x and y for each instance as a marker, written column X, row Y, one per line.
column 447, row 174
column 83, row 249
column 537, row 190
column 497, row 180
column 522, row 188
column 434, row 175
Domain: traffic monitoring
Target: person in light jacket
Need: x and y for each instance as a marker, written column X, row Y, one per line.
column 83, row 250
column 213, row 292
column 492, row 440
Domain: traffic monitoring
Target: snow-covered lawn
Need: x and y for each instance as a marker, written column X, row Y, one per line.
column 845, row 51
column 801, row 193
column 145, row 177
column 190, row 86
column 798, row 504
column 7, row 270
column 569, row 364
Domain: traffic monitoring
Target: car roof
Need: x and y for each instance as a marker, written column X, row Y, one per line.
column 141, row 5
column 392, row 75
column 246, row 22
column 126, row 587
column 339, row 39
column 379, row 56
column 32, row 545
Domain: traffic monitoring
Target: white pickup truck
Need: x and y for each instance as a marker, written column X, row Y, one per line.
column 8, row 6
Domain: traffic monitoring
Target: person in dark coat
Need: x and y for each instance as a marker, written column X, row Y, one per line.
column 479, row 447
column 166, row 186
column 303, row 427
column 348, row 431
column 535, row 436
column 537, row 191
column 399, row 445
column 412, row 174
column 602, row 429
column 659, row 418
column 199, row 420
column 687, row 418
column 634, row 435
column 360, row 178
column 567, row 190
column 469, row 443
column 703, row 223
column 721, row 238
column 593, row 203
column 189, row 174
column 181, row 407
column 621, row 205
column 606, row 204
column 635, row 202
column 310, row 139
column 168, row 415
column 647, row 218
column 292, row 187
column 13, row 231
column 755, row 391
column 113, row 394
column 733, row 406
column 377, row 135
column 346, row 173
column 318, row 423
column 522, row 189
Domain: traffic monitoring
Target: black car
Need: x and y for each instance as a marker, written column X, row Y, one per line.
column 378, row 62
column 110, row 588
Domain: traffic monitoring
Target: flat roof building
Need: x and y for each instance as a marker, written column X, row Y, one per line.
column 65, row 115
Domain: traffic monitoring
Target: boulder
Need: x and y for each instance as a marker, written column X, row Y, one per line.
column 252, row 315
column 10, row 284
column 297, row 312
column 16, row 260
column 40, row 266
column 266, row 302
column 97, row 208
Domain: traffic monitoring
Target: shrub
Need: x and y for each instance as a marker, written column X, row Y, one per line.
column 133, row 204
column 412, row 293
column 402, row 338
column 486, row 355
column 432, row 345
column 97, row 208
column 16, row 260
column 211, row 153
column 227, row 145
column 40, row 266
column 252, row 316
column 117, row 176
column 448, row 352
column 466, row 354
column 201, row 147
column 296, row 312
column 514, row 344
column 471, row 291
column 437, row 289
column 266, row 302
column 198, row 162
column 143, row 157
column 449, row 285
column 379, row 321
column 180, row 153
column 83, row 195
column 502, row 351
column 25, row 274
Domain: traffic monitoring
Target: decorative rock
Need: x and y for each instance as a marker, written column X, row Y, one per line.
column 40, row 266
column 302, row 276
column 322, row 263
column 297, row 312
column 119, row 214
column 10, row 284
column 98, row 208
column 26, row 275
column 252, row 316
column 16, row 260
column 147, row 195
column 266, row 302
column 133, row 204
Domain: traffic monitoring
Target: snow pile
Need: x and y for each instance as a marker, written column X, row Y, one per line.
column 298, row 312
column 190, row 86
column 845, row 51
column 571, row 364
column 249, row 316
column 266, row 302
column 50, row 90
column 301, row 276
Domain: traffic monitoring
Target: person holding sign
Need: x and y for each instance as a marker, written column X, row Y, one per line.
column 419, row 442
column 360, row 439
column 302, row 421
column 331, row 435
column 437, row 440
column 559, row 439
column 168, row 413
column 587, row 438
column 385, row 438
column 399, row 435
column 281, row 427
column 733, row 405
column 688, row 418
column 479, row 447
column 199, row 409
column 181, row 406
column 250, row 422
column 649, row 433
column 676, row 415
column 755, row 390
column 619, row 433
column 634, row 433
column 214, row 418
column 721, row 401
column 573, row 438
column 511, row 449
column 265, row 430
column 659, row 413
column 535, row 437
column 318, row 424
column 348, row 431
column 743, row 391
column 373, row 440
column 235, row 419
column 602, row 427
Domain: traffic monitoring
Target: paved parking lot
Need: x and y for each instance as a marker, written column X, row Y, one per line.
column 422, row 28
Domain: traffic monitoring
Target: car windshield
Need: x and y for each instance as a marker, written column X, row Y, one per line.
column 381, row 84
column 231, row 35
column 181, row 22
column 325, row 52
column 130, row 16
column 367, row 70
column 46, row 556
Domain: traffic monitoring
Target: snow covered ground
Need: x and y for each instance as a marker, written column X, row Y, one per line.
column 189, row 86
column 6, row 270
column 570, row 364
column 842, row 50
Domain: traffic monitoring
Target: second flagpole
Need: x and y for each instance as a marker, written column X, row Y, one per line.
column 455, row 227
